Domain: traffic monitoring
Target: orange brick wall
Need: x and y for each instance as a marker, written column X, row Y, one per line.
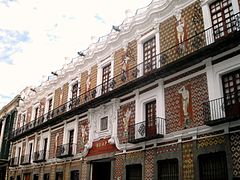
column 65, row 93
column 57, row 96
column 29, row 114
column 52, row 141
column 80, row 141
column 83, row 81
column 94, row 76
column 122, row 135
column 119, row 56
column 149, row 164
column 168, row 32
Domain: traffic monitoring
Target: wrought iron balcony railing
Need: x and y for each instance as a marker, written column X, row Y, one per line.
column 223, row 109
column 146, row 130
column 40, row 156
column 25, row 159
column 14, row 162
column 66, row 150
column 196, row 42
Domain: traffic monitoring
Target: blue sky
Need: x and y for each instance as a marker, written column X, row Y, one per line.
column 40, row 36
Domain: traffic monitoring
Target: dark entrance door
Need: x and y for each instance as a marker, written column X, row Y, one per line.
column 35, row 177
column 231, row 91
column 101, row 170
column 134, row 172
column 151, row 129
column 59, row 176
column 213, row 166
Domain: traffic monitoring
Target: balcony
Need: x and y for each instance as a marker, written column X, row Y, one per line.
column 66, row 150
column 26, row 159
column 145, row 131
column 202, row 45
column 39, row 156
column 222, row 110
column 14, row 162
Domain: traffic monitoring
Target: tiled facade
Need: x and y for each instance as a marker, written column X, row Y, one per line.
column 146, row 116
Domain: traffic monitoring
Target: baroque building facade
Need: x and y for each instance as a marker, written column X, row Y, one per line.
column 159, row 99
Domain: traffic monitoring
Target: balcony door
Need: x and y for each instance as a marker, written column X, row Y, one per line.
column 106, row 74
column 149, row 55
column 70, row 142
column 151, row 129
column 45, row 148
column 221, row 12
column 231, row 91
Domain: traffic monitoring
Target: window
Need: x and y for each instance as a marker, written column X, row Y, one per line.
column 35, row 177
column 18, row 177
column 231, row 92
column 70, row 141
column 36, row 113
column 149, row 55
column 59, row 176
column 75, row 175
column 45, row 142
column 30, row 151
column 23, row 119
column 46, row 176
column 74, row 91
column 134, row 172
column 50, row 101
column 168, row 169
column 104, row 124
column 213, row 166
column 221, row 11
column 150, row 112
column 26, row 176
column 106, row 74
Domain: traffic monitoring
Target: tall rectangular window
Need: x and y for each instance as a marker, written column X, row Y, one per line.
column 221, row 12
column 106, row 75
column 168, row 169
column 59, row 176
column 74, row 91
column 36, row 112
column 50, row 104
column 149, row 55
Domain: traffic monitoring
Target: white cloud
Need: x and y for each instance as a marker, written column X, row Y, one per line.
column 56, row 29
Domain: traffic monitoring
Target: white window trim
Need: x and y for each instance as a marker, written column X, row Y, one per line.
column 101, row 65
column 19, row 145
column 207, row 20
column 71, row 84
column 141, row 100
column 37, row 105
column 47, row 103
column 28, row 149
column 141, row 41
column 45, row 135
column 68, row 127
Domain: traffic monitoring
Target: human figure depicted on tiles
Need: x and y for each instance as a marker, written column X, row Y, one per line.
column 83, row 133
column 126, row 119
column 56, row 143
column 124, row 64
column 88, row 81
column 180, row 29
column 185, row 104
